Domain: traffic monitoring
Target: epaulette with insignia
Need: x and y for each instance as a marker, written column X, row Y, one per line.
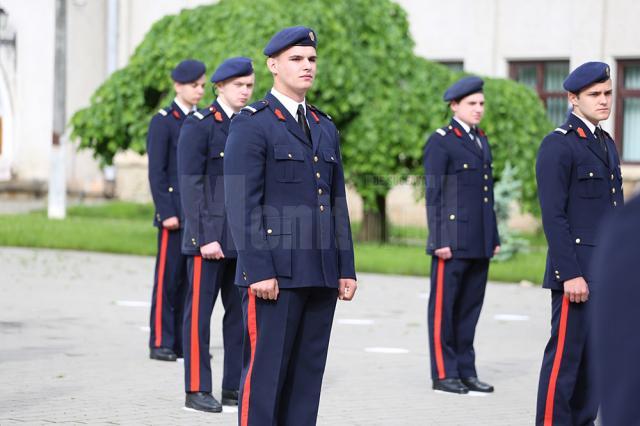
column 202, row 113
column 315, row 109
column 162, row 112
column 564, row 129
column 441, row 132
column 255, row 107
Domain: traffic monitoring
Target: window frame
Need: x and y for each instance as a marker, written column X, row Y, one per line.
column 621, row 94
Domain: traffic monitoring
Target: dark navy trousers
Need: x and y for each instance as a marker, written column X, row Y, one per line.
column 566, row 392
column 285, row 352
column 455, row 302
column 169, row 286
column 206, row 279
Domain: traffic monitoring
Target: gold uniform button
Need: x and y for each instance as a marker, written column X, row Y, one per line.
column 315, row 158
column 221, row 153
column 171, row 189
column 332, row 159
column 590, row 174
column 486, row 200
column 611, row 177
column 486, row 177
column 321, row 208
column 319, row 191
column 557, row 272
column 318, row 175
column 452, row 217
column 615, row 204
column 289, row 155
column 613, row 190
column 465, row 165
column 577, row 240
column 486, row 189
column 269, row 231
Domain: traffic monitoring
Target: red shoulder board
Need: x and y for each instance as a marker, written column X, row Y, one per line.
column 218, row 116
column 280, row 115
column 457, row 132
column 315, row 117
column 581, row 133
column 176, row 114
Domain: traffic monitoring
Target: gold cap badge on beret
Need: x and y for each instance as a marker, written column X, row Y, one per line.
column 312, row 36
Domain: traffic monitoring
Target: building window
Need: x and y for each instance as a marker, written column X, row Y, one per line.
column 457, row 66
column 628, row 110
column 545, row 78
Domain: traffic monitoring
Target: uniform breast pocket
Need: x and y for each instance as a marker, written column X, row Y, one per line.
column 591, row 182
column 330, row 159
column 289, row 163
column 466, row 172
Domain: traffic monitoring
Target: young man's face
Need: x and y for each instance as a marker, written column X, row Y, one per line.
column 190, row 93
column 237, row 91
column 469, row 109
column 294, row 69
column 594, row 102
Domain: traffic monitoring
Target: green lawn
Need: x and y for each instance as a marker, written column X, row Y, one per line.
column 119, row 227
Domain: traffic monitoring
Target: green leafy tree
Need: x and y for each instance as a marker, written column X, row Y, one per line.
column 383, row 98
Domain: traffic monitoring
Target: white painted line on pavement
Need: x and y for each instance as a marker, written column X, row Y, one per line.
column 355, row 321
column 424, row 296
column 145, row 328
column 511, row 317
column 225, row 410
column 383, row 350
column 133, row 303
column 228, row 409
column 478, row 394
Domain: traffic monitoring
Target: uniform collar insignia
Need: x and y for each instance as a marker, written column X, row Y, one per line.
column 581, row 133
column 279, row 114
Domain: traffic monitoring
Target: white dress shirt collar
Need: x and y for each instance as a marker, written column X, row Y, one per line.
column 587, row 123
column 185, row 109
column 289, row 104
column 226, row 108
column 464, row 125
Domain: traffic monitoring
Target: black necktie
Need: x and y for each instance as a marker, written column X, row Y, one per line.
column 476, row 137
column 601, row 139
column 233, row 115
column 302, row 121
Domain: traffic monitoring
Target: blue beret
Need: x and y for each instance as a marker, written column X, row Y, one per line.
column 232, row 67
column 292, row 36
column 188, row 71
column 585, row 75
column 463, row 87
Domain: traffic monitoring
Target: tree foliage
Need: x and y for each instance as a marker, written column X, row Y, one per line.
column 384, row 99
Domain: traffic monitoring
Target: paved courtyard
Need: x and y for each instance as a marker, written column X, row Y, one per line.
column 73, row 349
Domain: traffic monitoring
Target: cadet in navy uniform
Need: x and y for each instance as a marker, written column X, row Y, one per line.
column 170, row 273
column 285, row 193
column 579, row 182
column 463, row 236
column 616, row 338
column 207, row 240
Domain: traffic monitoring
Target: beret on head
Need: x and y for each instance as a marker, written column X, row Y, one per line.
column 585, row 75
column 292, row 36
column 188, row 71
column 463, row 87
column 232, row 67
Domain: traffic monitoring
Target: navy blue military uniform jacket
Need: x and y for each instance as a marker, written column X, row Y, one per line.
column 578, row 184
column 286, row 198
column 459, row 193
column 162, row 143
column 200, row 162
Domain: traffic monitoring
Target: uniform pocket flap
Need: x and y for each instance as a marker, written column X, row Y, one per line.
column 277, row 226
column 590, row 172
column 287, row 152
column 329, row 155
column 585, row 237
column 462, row 166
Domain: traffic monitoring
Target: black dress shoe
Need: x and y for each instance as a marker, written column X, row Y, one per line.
column 450, row 385
column 229, row 397
column 202, row 401
column 476, row 385
column 162, row 354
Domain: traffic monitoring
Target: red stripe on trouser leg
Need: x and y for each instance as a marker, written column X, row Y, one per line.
column 194, row 382
column 437, row 321
column 557, row 360
column 160, row 288
column 253, row 338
